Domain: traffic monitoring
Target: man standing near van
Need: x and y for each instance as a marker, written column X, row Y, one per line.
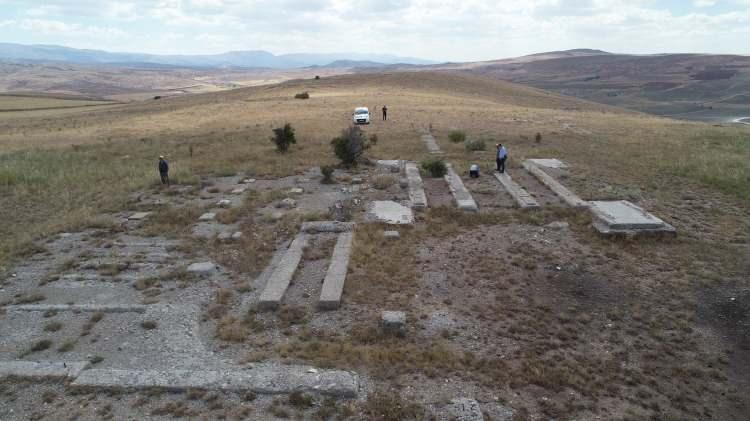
column 164, row 171
column 502, row 156
column 385, row 113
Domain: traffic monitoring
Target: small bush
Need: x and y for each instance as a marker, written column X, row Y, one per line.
column 435, row 167
column 327, row 172
column 149, row 325
column 300, row 400
column 350, row 146
column 374, row 139
column 302, row 95
column 538, row 138
column 41, row 345
column 457, row 136
column 53, row 327
column 476, row 145
column 283, row 137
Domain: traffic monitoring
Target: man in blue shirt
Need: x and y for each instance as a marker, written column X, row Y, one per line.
column 164, row 171
column 502, row 155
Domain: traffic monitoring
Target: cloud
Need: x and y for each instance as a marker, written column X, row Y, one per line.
column 437, row 29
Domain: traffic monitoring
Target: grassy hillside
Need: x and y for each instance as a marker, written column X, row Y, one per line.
column 56, row 170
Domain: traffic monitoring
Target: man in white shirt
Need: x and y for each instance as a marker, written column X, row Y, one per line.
column 502, row 156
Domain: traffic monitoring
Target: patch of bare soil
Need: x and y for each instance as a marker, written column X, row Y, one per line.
column 438, row 193
column 539, row 191
column 488, row 193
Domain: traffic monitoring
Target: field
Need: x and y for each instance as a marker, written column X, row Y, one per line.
column 10, row 103
column 550, row 324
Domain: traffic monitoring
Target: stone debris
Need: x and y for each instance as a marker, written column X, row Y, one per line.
column 226, row 203
column 224, row 236
column 266, row 379
column 566, row 195
column 210, row 216
column 287, row 203
column 282, row 276
column 392, row 165
column 558, row 225
column 139, row 216
column 296, row 190
column 623, row 217
column 465, row 409
column 202, row 268
column 248, row 181
column 521, row 195
column 391, row 212
column 333, row 284
column 42, row 369
column 417, row 195
column 464, row 200
column 391, row 234
column 237, row 235
column 394, row 322
column 357, row 180
column 239, row 190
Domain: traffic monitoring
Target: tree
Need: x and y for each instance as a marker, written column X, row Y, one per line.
column 350, row 146
column 284, row 137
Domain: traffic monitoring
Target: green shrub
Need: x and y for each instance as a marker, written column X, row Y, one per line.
column 538, row 138
column 374, row 139
column 435, row 167
column 476, row 145
column 327, row 172
column 350, row 146
column 302, row 95
column 284, row 137
column 457, row 136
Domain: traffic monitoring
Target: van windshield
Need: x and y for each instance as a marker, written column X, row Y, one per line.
column 360, row 112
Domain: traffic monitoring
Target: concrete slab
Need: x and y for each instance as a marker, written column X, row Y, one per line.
column 42, row 369
column 431, row 143
column 417, row 195
column 225, row 203
column 392, row 235
column 392, row 165
column 84, row 308
column 394, row 322
column 333, row 284
column 209, row 216
column 566, row 195
column 269, row 380
column 391, row 213
column 464, row 200
column 521, row 196
column 282, row 275
column 623, row 217
column 317, row 227
column 139, row 216
column 549, row 163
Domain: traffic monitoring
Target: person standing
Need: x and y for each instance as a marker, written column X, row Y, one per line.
column 502, row 156
column 385, row 113
column 164, row 171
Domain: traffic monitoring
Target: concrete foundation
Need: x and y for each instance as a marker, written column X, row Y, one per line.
column 83, row 308
column 270, row 380
column 282, row 276
column 327, row 227
column 417, row 195
column 42, row 369
column 464, row 200
column 624, row 218
column 465, row 409
column 521, row 196
column 549, row 163
column 431, row 144
column 333, row 284
column 566, row 195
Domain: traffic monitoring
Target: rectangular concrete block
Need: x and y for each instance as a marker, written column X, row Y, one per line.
column 623, row 217
column 318, row 227
column 42, row 369
column 269, row 380
column 417, row 195
column 139, row 216
column 431, row 143
column 333, row 284
column 464, row 200
column 519, row 194
column 561, row 191
column 282, row 276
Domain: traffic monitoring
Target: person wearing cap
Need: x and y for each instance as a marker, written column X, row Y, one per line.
column 502, row 156
column 164, row 170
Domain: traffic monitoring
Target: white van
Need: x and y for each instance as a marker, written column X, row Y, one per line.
column 361, row 115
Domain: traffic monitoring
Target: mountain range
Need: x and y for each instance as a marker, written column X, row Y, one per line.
column 238, row 59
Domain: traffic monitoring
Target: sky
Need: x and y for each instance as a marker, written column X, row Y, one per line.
column 440, row 30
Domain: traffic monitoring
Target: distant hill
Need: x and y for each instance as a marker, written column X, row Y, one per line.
column 241, row 59
column 687, row 86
